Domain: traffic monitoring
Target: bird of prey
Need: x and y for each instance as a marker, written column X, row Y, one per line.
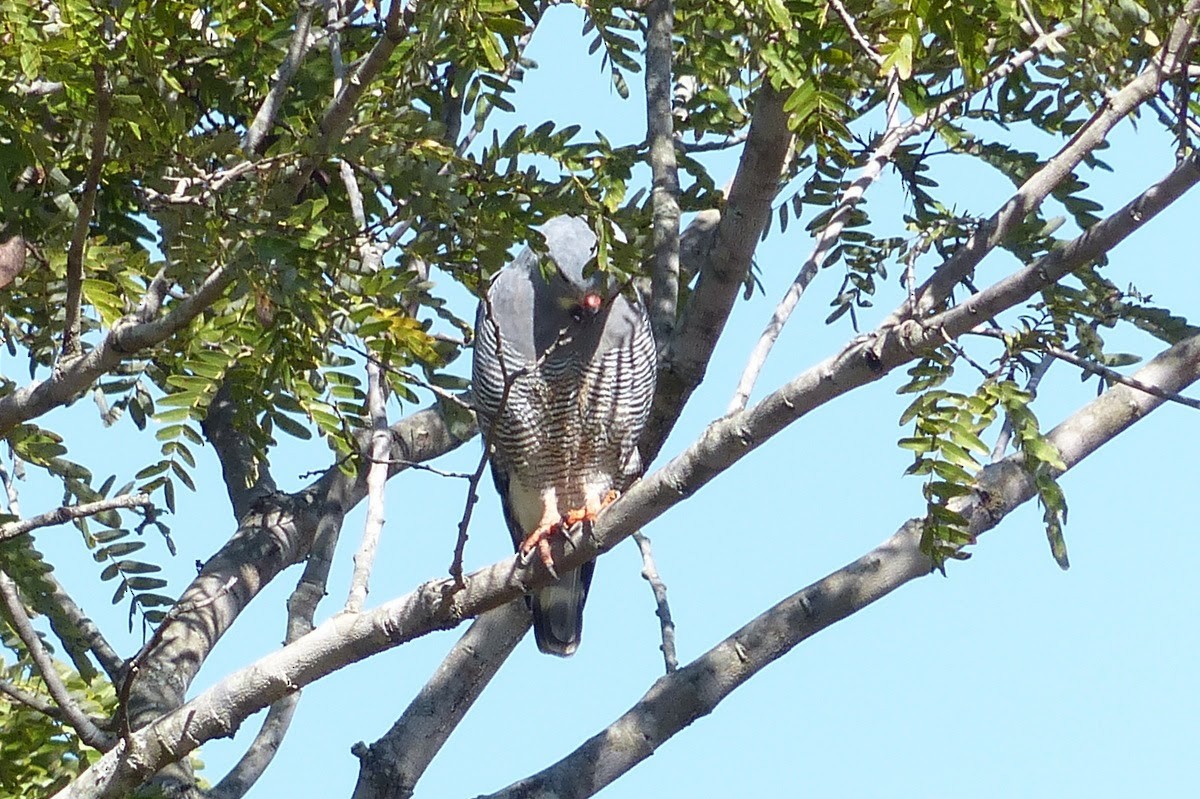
column 563, row 376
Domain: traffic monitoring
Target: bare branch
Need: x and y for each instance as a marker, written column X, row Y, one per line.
column 391, row 767
column 301, row 608
column 440, row 604
column 346, row 638
column 377, row 474
column 663, row 609
column 246, row 479
column 276, row 531
column 88, row 732
column 68, row 512
column 298, row 48
column 678, row 699
column 660, row 135
column 91, row 184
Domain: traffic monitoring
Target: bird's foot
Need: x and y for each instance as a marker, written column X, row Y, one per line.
column 589, row 512
column 539, row 540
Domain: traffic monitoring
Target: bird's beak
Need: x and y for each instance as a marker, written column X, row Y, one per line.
column 592, row 302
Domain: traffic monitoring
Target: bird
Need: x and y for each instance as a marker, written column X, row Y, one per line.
column 563, row 375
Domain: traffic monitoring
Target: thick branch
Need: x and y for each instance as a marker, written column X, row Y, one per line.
column 723, row 265
column 246, row 479
column 677, row 700
column 277, row 531
column 660, row 135
column 390, row 767
column 301, row 608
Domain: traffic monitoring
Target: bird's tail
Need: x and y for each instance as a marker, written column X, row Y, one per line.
column 558, row 611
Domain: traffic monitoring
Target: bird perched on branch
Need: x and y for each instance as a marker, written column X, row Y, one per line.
column 563, row 377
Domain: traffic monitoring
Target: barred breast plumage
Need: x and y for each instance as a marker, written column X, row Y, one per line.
column 563, row 375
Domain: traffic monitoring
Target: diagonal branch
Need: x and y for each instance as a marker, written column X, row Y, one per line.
column 298, row 47
column 1091, row 367
column 301, row 608
column 680, row 698
column 1166, row 63
column 72, row 714
column 660, row 135
column 276, row 531
column 391, row 767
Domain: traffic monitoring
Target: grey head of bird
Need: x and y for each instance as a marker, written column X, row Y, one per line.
column 573, row 304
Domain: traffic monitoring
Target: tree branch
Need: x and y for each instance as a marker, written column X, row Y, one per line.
column 722, row 247
column 301, row 608
column 660, row 134
column 71, row 712
column 677, row 700
column 377, row 475
column 275, row 532
column 126, row 337
column 391, row 767
column 1090, row 366
column 440, row 604
column 662, row 608
column 855, row 34
column 298, row 47
column 91, row 184
column 68, row 512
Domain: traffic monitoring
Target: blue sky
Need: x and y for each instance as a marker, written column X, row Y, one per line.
column 1008, row 677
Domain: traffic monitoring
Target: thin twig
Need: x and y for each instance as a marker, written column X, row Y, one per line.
column 712, row 146
column 72, row 327
column 663, row 610
column 31, row 701
column 1099, row 369
column 68, row 512
column 88, row 732
column 1006, row 431
column 660, row 135
column 855, row 34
